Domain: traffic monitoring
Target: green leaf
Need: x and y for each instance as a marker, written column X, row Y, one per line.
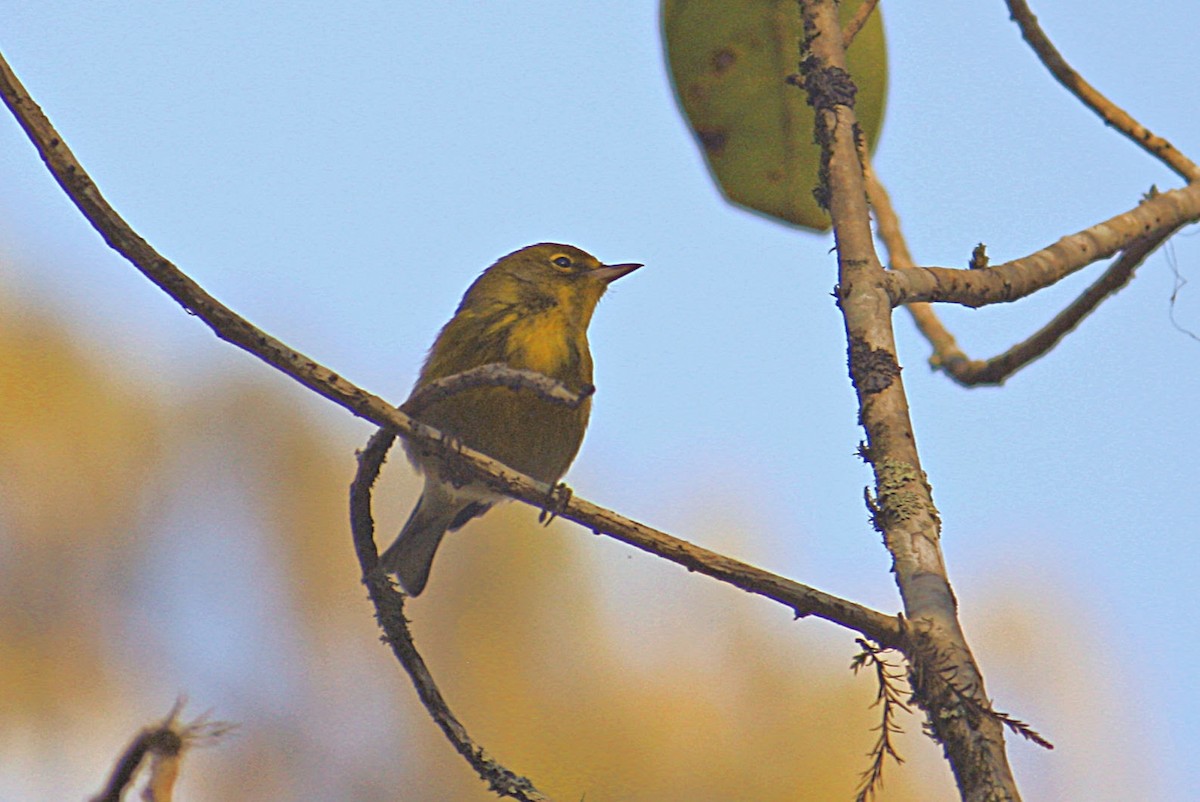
column 729, row 61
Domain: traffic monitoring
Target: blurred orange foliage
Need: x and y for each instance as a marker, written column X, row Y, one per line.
column 153, row 546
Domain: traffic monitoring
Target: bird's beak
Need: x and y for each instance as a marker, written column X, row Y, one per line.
column 610, row 273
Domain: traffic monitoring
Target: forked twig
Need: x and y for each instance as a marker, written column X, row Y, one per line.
column 970, row 372
column 947, row 355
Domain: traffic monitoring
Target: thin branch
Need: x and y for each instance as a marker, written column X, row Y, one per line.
column 389, row 611
column 227, row 325
column 857, row 22
column 1157, row 215
column 802, row 599
column 1112, row 114
column 496, row 374
column 130, row 761
column 165, row 744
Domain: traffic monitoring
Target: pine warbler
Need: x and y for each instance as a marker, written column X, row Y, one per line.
column 529, row 310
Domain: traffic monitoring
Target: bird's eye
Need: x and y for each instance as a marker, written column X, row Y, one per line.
column 562, row 261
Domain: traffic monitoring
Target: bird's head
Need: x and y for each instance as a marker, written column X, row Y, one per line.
column 545, row 276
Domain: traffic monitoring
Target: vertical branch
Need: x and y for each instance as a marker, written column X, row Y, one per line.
column 903, row 507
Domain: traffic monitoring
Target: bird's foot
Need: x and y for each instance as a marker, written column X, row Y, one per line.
column 453, row 470
column 556, row 502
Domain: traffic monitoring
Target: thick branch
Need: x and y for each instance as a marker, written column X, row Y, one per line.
column 1112, row 114
column 230, row 327
column 903, row 505
column 1156, row 216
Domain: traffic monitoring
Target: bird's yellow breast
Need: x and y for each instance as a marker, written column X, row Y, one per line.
column 554, row 340
column 542, row 342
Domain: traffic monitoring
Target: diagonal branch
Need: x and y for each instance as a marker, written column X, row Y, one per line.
column 857, row 22
column 227, row 325
column 1112, row 114
column 1156, row 216
column 230, row 327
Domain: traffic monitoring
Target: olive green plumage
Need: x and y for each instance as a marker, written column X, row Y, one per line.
column 530, row 310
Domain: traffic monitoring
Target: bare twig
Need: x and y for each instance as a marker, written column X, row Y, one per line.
column 389, row 611
column 496, row 374
column 888, row 700
column 165, row 743
column 856, row 23
column 227, row 325
column 1113, row 115
column 1156, row 216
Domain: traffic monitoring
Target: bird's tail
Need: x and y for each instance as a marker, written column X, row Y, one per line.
column 437, row 512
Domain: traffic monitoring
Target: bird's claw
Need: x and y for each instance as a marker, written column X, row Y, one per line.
column 453, row 470
column 556, row 503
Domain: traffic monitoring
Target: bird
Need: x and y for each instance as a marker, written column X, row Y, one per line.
column 530, row 310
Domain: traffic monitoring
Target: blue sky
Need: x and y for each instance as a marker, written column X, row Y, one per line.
column 339, row 177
